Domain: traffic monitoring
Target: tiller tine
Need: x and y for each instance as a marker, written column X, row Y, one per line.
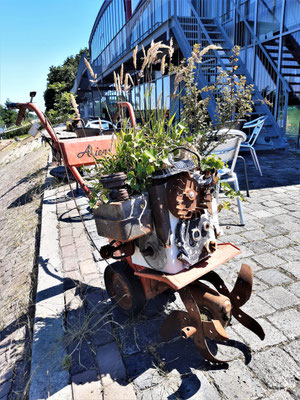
column 173, row 324
column 196, row 300
column 239, row 295
column 209, row 311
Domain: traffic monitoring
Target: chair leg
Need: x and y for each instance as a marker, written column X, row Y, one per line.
column 257, row 163
column 246, row 175
column 253, row 157
column 239, row 203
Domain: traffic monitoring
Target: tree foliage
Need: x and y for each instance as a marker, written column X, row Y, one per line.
column 60, row 79
column 8, row 116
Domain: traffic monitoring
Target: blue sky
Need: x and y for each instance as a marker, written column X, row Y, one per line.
column 35, row 35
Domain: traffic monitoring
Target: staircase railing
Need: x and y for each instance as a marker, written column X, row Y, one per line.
column 281, row 88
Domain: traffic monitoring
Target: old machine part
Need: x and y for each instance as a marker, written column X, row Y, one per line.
column 210, row 311
column 124, row 220
column 165, row 240
column 117, row 250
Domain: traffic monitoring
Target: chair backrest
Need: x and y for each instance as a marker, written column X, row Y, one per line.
column 257, row 125
column 229, row 150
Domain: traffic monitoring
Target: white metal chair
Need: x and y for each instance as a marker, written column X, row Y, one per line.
column 257, row 125
column 228, row 152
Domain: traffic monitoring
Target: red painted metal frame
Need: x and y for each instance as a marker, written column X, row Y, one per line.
column 152, row 281
column 71, row 148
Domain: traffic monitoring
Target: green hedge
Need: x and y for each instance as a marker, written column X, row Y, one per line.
column 15, row 131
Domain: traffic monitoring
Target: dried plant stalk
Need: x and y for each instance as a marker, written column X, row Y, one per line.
column 75, row 106
column 134, row 56
column 89, row 67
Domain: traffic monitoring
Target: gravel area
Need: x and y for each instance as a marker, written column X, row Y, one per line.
column 22, row 171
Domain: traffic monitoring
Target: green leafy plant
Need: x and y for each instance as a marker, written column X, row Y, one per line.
column 230, row 92
column 141, row 151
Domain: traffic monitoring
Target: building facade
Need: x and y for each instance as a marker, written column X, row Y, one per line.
column 268, row 32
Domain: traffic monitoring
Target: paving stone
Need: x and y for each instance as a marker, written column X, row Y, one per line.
column 294, row 236
column 83, row 253
column 83, row 357
column 268, row 260
column 65, row 231
column 260, row 247
column 88, row 266
column 166, row 389
column 110, row 363
column 275, row 368
column 68, row 251
column 273, row 277
column 275, row 230
column 246, row 252
column 116, row 391
column 66, row 240
column 293, row 267
column 258, row 286
column 257, row 307
column 261, row 214
column 6, row 372
column 82, row 241
column 86, row 386
column 136, row 337
column 293, row 349
column 276, row 210
column 236, row 239
column 254, row 235
column 195, row 386
column 5, row 388
column 237, row 382
column 287, row 321
column 74, row 276
column 292, row 207
column 294, row 288
column 271, row 204
column 272, row 338
column 280, row 395
column 288, row 254
column 281, row 243
column 73, row 301
column 279, row 297
column 148, row 378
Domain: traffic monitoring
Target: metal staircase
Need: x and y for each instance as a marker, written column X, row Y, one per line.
column 290, row 64
column 205, row 31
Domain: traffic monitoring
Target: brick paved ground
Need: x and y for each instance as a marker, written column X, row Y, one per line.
column 113, row 357
column 21, row 185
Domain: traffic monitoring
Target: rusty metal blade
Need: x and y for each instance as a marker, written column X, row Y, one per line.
column 249, row 322
column 173, row 324
column 214, row 330
column 217, row 281
column 242, row 290
column 195, row 316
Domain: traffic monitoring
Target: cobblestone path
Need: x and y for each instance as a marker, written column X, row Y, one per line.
column 127, row 359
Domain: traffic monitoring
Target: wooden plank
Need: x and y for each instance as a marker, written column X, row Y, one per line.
column 224, row 253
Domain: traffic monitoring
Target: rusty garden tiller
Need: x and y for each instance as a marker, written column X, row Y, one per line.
column 163, row 239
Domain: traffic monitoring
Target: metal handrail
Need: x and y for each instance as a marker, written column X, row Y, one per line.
column 256, row 40
column 204, row 31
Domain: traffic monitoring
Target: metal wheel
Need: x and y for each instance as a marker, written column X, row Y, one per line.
column 124, row 288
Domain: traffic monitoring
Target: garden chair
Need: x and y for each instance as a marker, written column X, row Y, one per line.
column 257, row 125
column 228, row 152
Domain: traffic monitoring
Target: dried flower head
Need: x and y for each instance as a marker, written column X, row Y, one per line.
column 171, row 49
column 134, row 55
column 121, row 74
column 75, row 106
column 163, row 65
column 89, row 67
